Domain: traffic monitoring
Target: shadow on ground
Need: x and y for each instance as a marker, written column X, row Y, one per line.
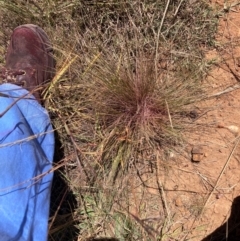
column 62, row 205
column 229, row 231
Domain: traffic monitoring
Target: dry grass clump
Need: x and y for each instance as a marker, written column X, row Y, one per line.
column 136, row 110
column 128, row 74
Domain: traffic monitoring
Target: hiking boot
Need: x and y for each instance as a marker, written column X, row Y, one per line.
column 29, row 59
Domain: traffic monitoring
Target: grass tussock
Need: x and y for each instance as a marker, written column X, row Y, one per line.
column 137, row 109
column 128, row 75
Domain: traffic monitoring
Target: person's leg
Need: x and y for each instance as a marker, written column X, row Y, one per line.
column 26, row 139
column 26, row 153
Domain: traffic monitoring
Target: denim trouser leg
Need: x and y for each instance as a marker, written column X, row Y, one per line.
column 26, row 154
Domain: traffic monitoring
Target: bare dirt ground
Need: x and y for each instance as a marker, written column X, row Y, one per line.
column 200, row 197
column 196, row 198
column 211, row 186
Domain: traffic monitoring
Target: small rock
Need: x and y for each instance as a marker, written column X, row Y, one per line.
column 178, row 202
column 238, row 61
column 193, row 114
column 197, row 157
column 233, row 129
column 171, row 155
column 221, row 125
column 197, row 153
column 218, row 196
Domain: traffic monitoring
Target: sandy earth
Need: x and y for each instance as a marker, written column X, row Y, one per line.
column 199, row 197
column 214, row 181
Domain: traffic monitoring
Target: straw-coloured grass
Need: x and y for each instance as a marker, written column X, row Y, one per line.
column 128, row 74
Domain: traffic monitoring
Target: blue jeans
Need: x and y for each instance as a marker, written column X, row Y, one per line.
column 26, row 155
